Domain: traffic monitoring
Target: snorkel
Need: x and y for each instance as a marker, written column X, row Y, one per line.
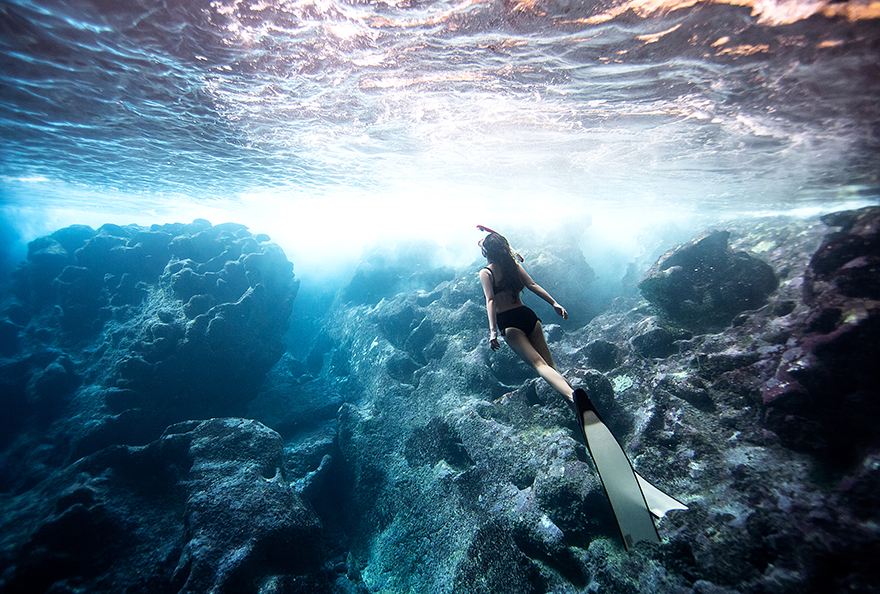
column 512, row 253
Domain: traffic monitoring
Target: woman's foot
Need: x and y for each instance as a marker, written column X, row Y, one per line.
column 581, row 400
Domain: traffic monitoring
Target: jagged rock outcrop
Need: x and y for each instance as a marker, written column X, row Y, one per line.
column 137, row 328
column 110, row 336
column 469, row 474
column 294, row 403
column 565, row 274
column 825, row 394
column 430, row 462
column 206, row 508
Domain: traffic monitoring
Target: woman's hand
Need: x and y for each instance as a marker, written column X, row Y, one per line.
column 493, row 344
column 560, row 310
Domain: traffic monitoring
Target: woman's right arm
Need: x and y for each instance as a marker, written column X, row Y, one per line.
column 489, row 292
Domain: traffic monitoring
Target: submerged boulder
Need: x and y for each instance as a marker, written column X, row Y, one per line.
column 703, row 284
column 116, row 333
column 245, row 524
column 292, row 404
column 850, row 258
column 206, row 508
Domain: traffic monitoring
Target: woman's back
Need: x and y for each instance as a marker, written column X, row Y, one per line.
column 505, row 298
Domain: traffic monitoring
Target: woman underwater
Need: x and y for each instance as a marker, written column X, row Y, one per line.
column 503, row 280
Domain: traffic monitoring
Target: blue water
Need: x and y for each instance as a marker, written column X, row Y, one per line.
column 381, row 133
column 375, row 117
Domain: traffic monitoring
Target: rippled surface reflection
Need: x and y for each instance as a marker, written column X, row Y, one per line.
column 739, row 103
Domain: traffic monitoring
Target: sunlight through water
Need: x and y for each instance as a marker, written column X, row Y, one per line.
column 378, row 118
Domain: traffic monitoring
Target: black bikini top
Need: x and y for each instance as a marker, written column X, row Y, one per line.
column 495, row 288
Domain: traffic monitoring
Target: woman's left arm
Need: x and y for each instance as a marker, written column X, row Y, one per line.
column 538, row 290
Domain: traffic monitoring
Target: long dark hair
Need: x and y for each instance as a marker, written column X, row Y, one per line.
column 498, row 252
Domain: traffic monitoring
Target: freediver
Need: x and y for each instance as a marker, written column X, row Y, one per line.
column 632, row 498
column 503, row 280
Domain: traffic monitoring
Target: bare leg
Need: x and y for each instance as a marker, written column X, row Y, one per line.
column 540, row 344
column 521, row 345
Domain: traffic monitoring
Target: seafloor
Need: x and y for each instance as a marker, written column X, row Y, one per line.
column 157, row 435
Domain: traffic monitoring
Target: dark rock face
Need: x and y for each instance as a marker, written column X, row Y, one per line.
column 292, row 402
column 245, row 523
column 494, row 563
column 601, row 355
column 850, row 258
column 657, row 339
column 203, row 509
column 109, row 337
column 823, row 397
column 703, row 284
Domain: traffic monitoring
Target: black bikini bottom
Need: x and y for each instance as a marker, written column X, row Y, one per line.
column 519, row 317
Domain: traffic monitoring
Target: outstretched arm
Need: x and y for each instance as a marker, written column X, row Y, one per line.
column 489, row 292
column 538, row 290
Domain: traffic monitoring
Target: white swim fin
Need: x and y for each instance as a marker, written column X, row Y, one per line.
column 617, row 474
column 659, row 503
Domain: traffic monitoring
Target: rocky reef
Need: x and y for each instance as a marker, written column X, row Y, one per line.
column 117, row 342
column 160, row 440
column 468, row 476
column 153, row 325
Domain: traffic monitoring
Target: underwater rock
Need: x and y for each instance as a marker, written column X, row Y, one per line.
column 494, row 563
column 47, row 257
column 49, row 385
column 310, row 460
column 204, row 508
column 656, row 339
column 384, row 273
column 823, row 395
column 469, row 475
column 147, row 352
column 453, row 474
column 601, row 355
column 292, row 404
column 850, row 257
column 432, row 462
column 244, row 523
column 436, row 442
column 691, row 389
column 564, row 272
column 9, row 341
column 703, row 284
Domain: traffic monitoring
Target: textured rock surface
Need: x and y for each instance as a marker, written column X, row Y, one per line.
column 245, row 524
column 461, row 473
column 823, row 397
column 704, row 284
column 111, row 335
column 408, row 455
column 203, row 509
column 129, row 329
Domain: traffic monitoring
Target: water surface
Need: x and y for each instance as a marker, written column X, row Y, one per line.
column 401, row 114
